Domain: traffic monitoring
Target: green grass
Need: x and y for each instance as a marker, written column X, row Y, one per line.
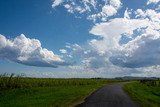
column 146, row 96
column 60, row 96
column 46, row 92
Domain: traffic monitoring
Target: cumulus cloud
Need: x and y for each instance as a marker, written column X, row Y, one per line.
column 139, row 36
column 151, row 15
column 28, row 51
column 92, row 8
column 143, row 50
column 109, row 9
column 110, row 37
column 140, row 52
column 126, row 43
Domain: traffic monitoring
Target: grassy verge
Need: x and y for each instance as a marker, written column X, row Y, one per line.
column 146, row 96
column 46, row 92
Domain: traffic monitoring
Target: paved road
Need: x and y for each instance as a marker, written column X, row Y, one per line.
column 109, row 96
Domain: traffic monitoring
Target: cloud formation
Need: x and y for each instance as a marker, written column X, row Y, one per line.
column 92, row 8
column 28, row 52
column 128, row 42
column 142, row 52
column 124, row 45
column 142, row 47
column 110, row 37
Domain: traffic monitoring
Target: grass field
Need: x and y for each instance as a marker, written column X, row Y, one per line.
column 147, row 93
column 46, row 92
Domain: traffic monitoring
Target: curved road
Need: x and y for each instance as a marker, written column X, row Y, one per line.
column 109, row 96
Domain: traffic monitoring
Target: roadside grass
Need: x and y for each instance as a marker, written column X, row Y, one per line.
column 16, row 91
column 59, row 96
column 145, row 95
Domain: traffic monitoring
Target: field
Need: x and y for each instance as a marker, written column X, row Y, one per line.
column 17, row 91
column 146, row 92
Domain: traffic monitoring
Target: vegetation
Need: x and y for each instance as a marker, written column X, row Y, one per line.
column 151, row 82
column 18, row 91
column 146, row 92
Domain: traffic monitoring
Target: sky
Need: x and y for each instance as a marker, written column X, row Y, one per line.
column 80, row 38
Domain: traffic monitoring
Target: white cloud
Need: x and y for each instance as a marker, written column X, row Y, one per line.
column 71, row 9
column 108, row 48
column 141, row 52
column 3, row 41
column 127, row 13
column 143, row 45
column 63, row 51
column 125, row 44
column 56, row 3
column 148, row 14
column 92, row 8
column 112, row 31
column 115, row 3
column 152, row 1
column 109, row 10
column 152, row 71
column 28, row 51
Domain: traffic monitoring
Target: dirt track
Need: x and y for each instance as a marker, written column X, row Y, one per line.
column 109, row 96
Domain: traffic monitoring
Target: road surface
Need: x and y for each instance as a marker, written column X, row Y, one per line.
column 109, row 96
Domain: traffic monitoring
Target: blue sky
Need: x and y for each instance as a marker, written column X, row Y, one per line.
column 81, row 38
column 37, row 19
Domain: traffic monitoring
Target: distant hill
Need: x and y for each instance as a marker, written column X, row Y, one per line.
column 136, row 78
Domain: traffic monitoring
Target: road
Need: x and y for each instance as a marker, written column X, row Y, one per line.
column 109, row 96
